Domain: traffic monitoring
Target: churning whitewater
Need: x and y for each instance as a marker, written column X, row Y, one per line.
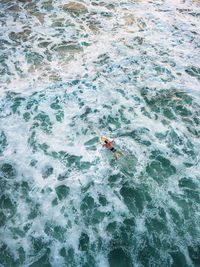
column 71, row 71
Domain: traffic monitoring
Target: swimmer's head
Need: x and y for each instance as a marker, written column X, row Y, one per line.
column 104, row 140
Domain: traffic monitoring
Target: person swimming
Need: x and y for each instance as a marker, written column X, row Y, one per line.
column 109, row 145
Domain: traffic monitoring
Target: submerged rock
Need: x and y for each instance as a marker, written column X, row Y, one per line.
column 75, row 7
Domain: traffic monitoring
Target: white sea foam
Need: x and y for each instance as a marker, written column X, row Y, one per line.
column 94, row 66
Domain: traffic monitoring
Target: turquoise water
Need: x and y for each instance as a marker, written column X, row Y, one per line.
column 70, row 72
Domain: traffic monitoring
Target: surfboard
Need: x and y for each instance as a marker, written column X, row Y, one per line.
column 116, row 152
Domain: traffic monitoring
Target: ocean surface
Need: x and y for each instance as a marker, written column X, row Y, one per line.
column 69, row 73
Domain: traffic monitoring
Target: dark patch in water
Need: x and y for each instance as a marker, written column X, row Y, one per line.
column 62, row 191
column 119, row 258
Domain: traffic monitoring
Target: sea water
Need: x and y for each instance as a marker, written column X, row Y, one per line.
column 70, row 72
